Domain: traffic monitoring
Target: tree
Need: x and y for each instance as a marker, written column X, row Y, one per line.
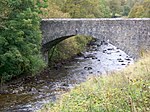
column 4, row 11
column 85, row 8
column 59, row 3
column 104, row 8
column 115, row 7
column 126, row 10
column 54, row 10
column 20, row 39
column 140, row 10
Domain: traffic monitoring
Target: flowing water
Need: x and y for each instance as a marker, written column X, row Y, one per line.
column 31, row 93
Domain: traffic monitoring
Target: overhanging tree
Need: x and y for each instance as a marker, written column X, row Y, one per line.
column 20, row 38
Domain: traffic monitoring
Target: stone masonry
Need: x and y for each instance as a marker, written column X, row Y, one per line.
column 130, row 35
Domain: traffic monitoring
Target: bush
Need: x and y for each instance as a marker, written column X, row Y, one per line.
column 71, row 47
column 20, row 39
column 140, row 10
column 126, row 10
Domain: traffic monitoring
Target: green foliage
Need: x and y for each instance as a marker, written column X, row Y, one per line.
column 124, row 91
column 104, row 8
column 59, row 3
column 4, row 11
column 54, row 10
column 115, row 7
column 91, row 9
column 126, row 10
column 71, row 47
column 86, row 8
column 20, row 39
column 131, row 3
column 141, row 10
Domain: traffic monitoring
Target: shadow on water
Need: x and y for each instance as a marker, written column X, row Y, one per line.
column 29, row 94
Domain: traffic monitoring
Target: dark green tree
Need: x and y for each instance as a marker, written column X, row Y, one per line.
column 141, row 9
column 126, row 10
column 20, row 38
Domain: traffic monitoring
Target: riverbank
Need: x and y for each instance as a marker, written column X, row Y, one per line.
column 68, row 48
column 127, row 90
column 25, row 91
column 31, row 93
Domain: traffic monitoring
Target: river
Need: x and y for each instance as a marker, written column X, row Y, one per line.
column 31, row 93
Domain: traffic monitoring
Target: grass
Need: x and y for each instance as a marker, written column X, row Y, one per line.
column 124, row 91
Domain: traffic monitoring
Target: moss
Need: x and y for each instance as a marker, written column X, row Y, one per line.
column 124, row 91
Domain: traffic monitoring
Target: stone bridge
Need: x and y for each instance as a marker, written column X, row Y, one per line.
column 130, row 35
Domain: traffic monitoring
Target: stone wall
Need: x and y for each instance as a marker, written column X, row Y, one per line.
column 130, row 35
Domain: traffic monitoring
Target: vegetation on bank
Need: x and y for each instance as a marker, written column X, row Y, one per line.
column 20, row 44
column 124, row 91
column 20, row 35
column 127, row 90
column 20, row 38
column 71, row 47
